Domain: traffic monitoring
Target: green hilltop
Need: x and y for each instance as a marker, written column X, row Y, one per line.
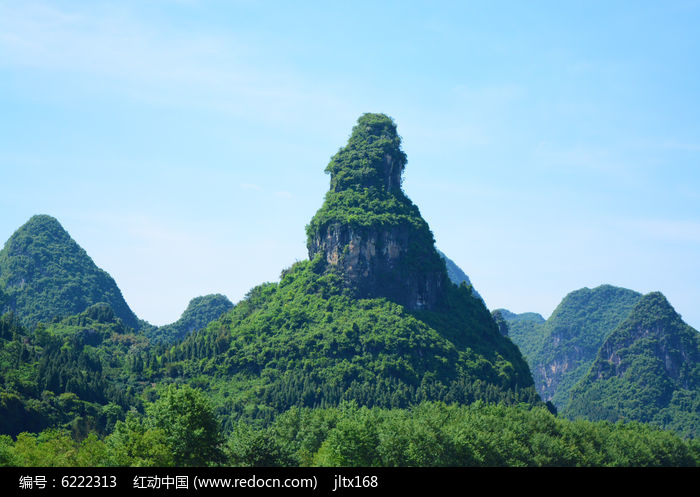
column 199, row 313
column 47, row 275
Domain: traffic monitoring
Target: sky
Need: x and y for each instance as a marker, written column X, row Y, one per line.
column 551, row 145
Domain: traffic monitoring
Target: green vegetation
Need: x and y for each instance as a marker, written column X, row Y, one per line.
column 46, row 275
column 78, row 374
column 525, row 330
column 303, row 342
column 429, row 434
column 647, row 370
column 364, row 355
column 180, row 427
column 199, row 313
column 561, row 350
column 365, row 210
column 310, row 341
column 4, row 302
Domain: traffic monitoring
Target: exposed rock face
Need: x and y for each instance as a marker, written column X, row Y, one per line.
column 368, row 230
column 372, row 260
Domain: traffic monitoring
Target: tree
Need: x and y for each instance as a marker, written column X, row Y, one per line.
column 190, row 426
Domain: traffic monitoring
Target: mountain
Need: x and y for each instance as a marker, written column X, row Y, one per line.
column 561, row 350
column 647, row 370
column 524, row 317
column 370, row 317
column 199, row 313
column 524, row 329
column 456, row 275
column 47, row 275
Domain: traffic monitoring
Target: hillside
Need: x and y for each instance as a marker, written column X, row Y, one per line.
column 561, row 350
column 456, row 275
column 370, row 317
column 199, row 313
column 647, row 370
column 365, row 354
column 47, row 275
column 79, row 373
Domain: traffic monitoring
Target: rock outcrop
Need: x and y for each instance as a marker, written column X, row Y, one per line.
column 368, row 230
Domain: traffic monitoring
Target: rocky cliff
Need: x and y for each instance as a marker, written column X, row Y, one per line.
column 368, row 231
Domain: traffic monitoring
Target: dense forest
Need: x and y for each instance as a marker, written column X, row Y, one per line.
column 180, row 428
column 366, row 354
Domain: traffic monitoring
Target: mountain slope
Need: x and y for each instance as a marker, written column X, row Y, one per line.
column 561, row 350
column 47, row 275
column 647, row 370
column 78, row 373
column 371, row 317
column 200, row 312
column 456, row 275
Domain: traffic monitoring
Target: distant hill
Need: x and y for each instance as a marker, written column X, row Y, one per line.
column 647, row 369
column 456, row 275
column 524, row 329
column 199, row 313
column 561, row 350
column 47, row 275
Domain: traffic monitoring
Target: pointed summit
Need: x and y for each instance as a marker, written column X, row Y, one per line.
column 47, row 275
column 346, row 325
column 368, row 231
column 372, row 157
column 561, row 350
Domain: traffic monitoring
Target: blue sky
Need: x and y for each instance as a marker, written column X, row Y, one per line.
column 551, row 145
